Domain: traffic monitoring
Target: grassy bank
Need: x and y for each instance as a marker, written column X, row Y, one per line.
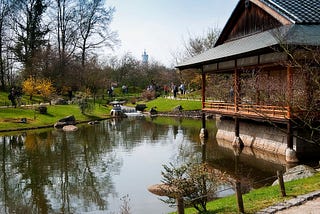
column 165, row 105
column 10, row 118
column 261, row 198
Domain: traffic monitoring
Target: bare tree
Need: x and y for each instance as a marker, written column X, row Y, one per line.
column 65, row 33
column 193, row 46
column 94, row 26
column 198, row 44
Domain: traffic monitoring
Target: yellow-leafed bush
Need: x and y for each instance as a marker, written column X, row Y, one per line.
column 41, row 86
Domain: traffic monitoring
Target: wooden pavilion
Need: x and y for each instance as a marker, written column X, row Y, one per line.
column 268, row 47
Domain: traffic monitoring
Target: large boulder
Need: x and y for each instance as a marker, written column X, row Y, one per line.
column 42, row 109
column 141, row 107
column 69, row 120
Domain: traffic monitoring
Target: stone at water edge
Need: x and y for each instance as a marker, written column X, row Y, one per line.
column 298, row 172
column 291, row 156
column 162, row 190
column 70, row 128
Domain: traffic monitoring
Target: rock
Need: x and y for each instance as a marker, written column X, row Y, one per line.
column 203, row 133
column 298, row 172
column 141, row 107
column 178, row 108
column 153, row 111
column 93, row 122
column 42, row 109
column 237, row 142
column 291, row 156
column 69, row 120
column 70, row 128
column 59, row 101
column 59, row 125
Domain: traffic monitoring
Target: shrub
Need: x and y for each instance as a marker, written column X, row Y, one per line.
column 193, row 182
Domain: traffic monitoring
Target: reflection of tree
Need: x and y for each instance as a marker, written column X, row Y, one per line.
column 57, row 172
column 53, row 173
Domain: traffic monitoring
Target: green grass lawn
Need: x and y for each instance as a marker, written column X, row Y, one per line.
column 261, row 198
column 164, row 104
column 10, row 118
column 25, row 99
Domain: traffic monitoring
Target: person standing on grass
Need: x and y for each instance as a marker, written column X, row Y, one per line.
column 12, row 97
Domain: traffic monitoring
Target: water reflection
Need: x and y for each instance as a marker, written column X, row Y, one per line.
column 50, row 171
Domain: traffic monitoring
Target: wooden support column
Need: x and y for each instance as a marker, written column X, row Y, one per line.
column 291, row 156
column 237, row 89
column 203, row 88
column 236, row 99
column 203, row 131
column 289, row 108
column 237, row 141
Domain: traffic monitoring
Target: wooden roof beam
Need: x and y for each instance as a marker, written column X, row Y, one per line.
column 283, row 20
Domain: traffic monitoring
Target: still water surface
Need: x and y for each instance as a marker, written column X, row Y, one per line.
column 99, row 168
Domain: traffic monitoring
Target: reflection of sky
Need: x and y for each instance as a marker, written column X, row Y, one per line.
column 147, row 160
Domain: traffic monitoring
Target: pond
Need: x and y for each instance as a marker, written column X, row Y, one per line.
column 103, row 167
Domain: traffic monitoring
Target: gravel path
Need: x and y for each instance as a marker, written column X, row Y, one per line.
column 310, row 207
column 306, row 204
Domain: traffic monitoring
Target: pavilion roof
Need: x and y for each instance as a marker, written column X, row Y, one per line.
column 304, row 29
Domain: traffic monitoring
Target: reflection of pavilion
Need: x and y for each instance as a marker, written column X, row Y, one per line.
column 267, row 48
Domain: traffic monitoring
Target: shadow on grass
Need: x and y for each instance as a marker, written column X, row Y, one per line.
column 49, row 115
column 221, row 210
column 92, row 117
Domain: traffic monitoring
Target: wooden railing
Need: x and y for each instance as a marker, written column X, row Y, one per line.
column 248, row 110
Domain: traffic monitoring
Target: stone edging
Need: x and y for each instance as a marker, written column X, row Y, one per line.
column 299, row 200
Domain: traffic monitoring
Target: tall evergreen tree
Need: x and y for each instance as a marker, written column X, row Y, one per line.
column 30, row 33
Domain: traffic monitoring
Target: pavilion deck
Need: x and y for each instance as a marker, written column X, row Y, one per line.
column 248, row 111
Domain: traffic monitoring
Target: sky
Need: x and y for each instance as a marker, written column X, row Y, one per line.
column 160, row 27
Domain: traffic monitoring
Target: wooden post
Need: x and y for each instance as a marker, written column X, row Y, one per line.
column 281, row 183
column 203, row 90
column 237, row 142
column 236, row 127
column 236, row 88
column 289, row 116
column 203, row 120
column 180, row 205
column 289, row 135
column 203, row 131
column 239, row 197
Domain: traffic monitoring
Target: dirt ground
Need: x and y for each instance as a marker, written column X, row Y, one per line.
column 310, row 207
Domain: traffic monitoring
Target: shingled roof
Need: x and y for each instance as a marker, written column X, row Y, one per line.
column 297, row 11
column 304, row 30
column 289, row 35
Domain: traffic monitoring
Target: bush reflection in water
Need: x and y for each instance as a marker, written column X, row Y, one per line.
column 50, row 171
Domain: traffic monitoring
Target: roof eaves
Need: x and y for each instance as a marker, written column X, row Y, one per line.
column 232, row 49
